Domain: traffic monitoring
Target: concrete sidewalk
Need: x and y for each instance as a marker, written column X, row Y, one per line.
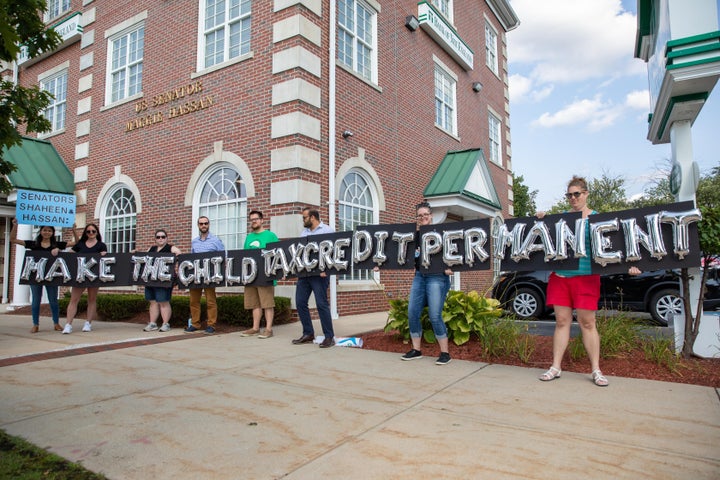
column 228, row 407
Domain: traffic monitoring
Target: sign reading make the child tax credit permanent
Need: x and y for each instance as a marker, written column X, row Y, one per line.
column 45, row 208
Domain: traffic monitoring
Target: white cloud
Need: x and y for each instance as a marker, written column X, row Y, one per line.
column 638, row 100
column 522, row 89
column 566, row 41
column 594, row 114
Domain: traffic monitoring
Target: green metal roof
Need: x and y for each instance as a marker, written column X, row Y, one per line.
column 464, row 173
column 39, row 167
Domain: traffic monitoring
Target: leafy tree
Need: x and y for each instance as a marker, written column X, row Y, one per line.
column 607, row 194
column 523, row 198
column 21, row 24
column 708, row 201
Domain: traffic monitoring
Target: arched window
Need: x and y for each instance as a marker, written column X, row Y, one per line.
column 357, row 206
column 120, row 220
column 223, row 199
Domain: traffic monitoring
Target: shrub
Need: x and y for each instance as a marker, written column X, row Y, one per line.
column 619, row 334
column 661, row 350
column 116, row 307
column 467, row 313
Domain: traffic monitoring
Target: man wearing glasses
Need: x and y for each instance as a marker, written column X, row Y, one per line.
column 259, row 298
column 205, row 242
column 316, row 285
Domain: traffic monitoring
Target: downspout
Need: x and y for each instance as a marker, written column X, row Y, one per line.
column 331, row 143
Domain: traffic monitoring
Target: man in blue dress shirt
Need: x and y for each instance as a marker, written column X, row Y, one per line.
column 316, row 285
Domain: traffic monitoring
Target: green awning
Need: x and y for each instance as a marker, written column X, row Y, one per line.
column 464, row 174
column 39, row 167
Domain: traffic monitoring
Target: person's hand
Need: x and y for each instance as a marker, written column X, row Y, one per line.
column 54, row 252
column 14, row 221
column 634, row 271
column 448, row 272
column 323, row 274
column 540, row 214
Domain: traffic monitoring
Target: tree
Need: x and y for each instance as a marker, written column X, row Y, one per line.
column 607, row 194
column 523, row 198
column 708, row 201
column 21, row 24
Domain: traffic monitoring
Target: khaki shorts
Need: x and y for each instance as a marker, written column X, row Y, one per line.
column 259, row 297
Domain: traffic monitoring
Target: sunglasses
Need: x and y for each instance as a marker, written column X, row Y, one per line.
column 255, row 219
column 90, row 231
column 573, row 194
column 160, row 236
column 203, row 223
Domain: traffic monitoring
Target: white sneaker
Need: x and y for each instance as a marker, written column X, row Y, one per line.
column 87, row 327
column 165, row 327
column 67, row 329
column 151, row 327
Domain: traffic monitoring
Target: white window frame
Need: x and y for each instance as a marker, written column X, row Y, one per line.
column 494, row 138
column 349, row 31
column 221, row 195
column 224, row 28
column 126, row 219
column 371, row 212
column 445, row 7
column 55, row 8
column 131, row 66
column 56, row 112
column 445, row 91
column 491, row 48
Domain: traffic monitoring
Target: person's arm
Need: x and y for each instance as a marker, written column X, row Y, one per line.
column 76, row 239
column 13, row 234
column 175, row 250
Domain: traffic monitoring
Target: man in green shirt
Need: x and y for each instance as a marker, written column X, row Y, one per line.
column 259, row 298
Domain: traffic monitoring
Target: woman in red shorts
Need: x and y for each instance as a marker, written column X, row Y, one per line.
column 577, row 290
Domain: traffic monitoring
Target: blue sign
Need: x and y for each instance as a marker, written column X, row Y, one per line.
column 45, row 208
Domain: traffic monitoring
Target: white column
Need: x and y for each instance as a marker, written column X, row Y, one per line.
column 21, row 293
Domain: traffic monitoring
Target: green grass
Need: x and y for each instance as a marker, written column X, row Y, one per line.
column 20, row 460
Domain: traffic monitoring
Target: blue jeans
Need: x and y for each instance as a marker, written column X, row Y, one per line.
column 428, row 290
column 318, row 286
column 52, row 294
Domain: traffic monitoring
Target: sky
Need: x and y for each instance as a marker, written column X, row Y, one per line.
column 579, row 99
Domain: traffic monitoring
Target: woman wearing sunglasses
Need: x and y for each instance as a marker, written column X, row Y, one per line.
column 89, row 242
column 579, row 290
column 45, row 241
column 159, row 297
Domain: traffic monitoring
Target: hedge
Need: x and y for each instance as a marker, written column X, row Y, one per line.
column 117, row 307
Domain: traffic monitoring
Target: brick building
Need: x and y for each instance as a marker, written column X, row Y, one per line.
column 168, row 110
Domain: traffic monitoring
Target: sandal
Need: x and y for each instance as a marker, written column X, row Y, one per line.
column 551, row 374
column 599, row 379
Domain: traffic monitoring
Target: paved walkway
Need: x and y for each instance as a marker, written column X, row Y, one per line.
column 136, row 405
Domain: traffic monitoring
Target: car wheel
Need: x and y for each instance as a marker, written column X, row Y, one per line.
column 664, row 303
column 527, row 303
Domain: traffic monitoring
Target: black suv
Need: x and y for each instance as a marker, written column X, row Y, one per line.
column 656, row 292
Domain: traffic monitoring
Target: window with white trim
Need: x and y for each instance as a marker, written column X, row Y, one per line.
column 223, row 200
column 225, row 27
column 125, row 65
column 445, row 100
column 55, row 8
column 357, row 38
column 494, row 141
column 356, row 206
column 120, row 220
column 444, row 7
column 491, row 48
column 55, row 112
